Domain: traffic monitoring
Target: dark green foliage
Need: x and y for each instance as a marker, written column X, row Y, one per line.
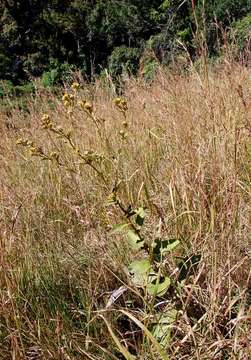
column 149, row 68
column 57, row 74
column 9, row 90
column 241, row 33
column 6, row 88
column 5, row 65
column 164, row 45
column 217, row 17
column 25, row 89
column 124, row 59
column 224, row 11
column 38, row 36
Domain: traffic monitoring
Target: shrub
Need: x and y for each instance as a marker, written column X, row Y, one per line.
column 149, row 68
column 57, row 74
column 124, row 59
column 25, row 89
column 164, row 47
column 241, row 33
column 6, row 88
column 5, row 64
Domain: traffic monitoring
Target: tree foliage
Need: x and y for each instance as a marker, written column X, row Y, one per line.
column 44, row 37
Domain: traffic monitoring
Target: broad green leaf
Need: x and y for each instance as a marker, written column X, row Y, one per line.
column 119, row 228
column 140, row 270
column 135, row 241
column 140, row 216
column 159, row 349
column 156, row 288
column 162, row 329
column 187, row 265
column 162, row 247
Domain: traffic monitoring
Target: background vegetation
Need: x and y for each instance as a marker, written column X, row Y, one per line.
column 51, row 37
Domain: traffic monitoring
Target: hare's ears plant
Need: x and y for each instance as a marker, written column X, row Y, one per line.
column 147, row 270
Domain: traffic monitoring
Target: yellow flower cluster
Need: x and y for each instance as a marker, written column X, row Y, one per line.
column 75, row 86
column 123, row 134
column 121, row 104
column 68, row 100
column 87, row 106
column 33, row 149
column 54, row 156
column 111, row 199
column 46, row 122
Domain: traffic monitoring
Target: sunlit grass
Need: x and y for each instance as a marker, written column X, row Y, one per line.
column 180, row 149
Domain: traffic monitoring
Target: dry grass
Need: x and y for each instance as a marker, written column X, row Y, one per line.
column 186, row 158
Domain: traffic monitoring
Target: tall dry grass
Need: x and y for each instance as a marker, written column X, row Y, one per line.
column 186, row 157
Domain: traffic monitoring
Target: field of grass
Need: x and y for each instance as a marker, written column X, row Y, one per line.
column 167, row 167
